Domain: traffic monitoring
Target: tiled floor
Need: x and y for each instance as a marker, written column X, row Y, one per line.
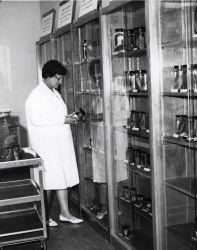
column 68, row 236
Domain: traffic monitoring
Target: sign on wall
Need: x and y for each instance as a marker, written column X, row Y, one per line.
column 86, row 6
column 47, row 23
column 65, row 13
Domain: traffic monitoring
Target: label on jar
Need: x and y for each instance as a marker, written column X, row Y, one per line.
column 174, row 90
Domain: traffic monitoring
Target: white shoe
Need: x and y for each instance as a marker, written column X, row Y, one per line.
column 73, row 220
column 52, row 223
column 101, row 215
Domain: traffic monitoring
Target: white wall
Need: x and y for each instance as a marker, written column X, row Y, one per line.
column 19, row 30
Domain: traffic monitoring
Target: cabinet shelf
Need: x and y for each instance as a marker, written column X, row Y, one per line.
column 184, row 233
column 177, row 44
column 134, row 169
column 143, row 135
column 129, row 54
column 141, row 172
column 139, row 94
column 189, row 94
column 15, row 192
column 140, row 211
column 19, row 223
column 180, row 142
column 90, row 59
column 185, row 185
column 89, row 92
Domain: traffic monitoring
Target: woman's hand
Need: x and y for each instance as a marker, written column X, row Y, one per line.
column 71, row 119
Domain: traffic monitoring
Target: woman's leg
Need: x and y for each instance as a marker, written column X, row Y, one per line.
column 62, row 196
column 103, row 196
column 47, row 202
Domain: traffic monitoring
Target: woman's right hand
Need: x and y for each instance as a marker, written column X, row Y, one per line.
column 70, row 120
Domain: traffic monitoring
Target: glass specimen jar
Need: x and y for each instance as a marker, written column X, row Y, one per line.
column 118, row 39
column 140, row 38
column 141, row 80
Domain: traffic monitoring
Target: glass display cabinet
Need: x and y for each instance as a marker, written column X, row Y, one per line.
column 63, row 38
column 129, row 98
column 87, row 76
column 174, row 99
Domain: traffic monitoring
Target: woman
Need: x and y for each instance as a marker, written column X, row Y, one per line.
column 51, row 138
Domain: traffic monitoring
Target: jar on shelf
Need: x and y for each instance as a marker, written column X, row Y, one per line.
column 148, row 204
column 140, row 38
column 192, row 127
column 140, row 200
column 141, row 80
column 9, row 137
column 129, row 154
column 129, row 39
column 84, row 50
column 137, row 157
column 125, row 192
column 133, row 194
column 147, row 122
column 119, row 39
column 181, row 125
column 125, row 230
column 142, row 121
column 180, row 78
column 177, row 69
column 184, row 77
column 133, row 119
column 130, row 80
column 193, row 69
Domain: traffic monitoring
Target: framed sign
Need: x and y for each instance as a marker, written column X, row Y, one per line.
column 195, row 21
column 87, row 6
column 65, row 13
column 47, row 23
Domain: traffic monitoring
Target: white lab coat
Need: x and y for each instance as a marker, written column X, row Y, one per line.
column 51, row 138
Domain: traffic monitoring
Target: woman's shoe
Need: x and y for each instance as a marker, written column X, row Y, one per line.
column 52, row 223
column 101, row 215
column 73, row 220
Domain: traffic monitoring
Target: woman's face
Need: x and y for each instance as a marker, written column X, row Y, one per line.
column 54, row 81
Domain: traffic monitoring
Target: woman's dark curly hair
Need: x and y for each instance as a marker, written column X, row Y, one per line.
column 53, row 67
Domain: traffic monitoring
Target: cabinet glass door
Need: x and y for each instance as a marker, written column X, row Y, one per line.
column 130, row 124
column 64, row 55
column 178, row 48
column 87, row 73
